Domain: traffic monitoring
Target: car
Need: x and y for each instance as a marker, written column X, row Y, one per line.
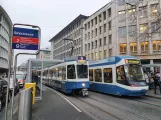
column 20, row 77
column 3, row 93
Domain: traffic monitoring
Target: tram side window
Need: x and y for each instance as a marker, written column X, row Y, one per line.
column 107, row 75
column 98, row 75
column 60, row 72
column 121, row 76
column 63, row 73
column 90, row 74
column 71, row 72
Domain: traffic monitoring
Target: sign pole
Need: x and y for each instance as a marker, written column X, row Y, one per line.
column 15, row 62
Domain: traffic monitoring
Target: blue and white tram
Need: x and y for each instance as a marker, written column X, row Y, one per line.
column 69, row 76
column 118, row 75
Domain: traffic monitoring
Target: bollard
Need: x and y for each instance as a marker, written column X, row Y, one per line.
column 25, row 105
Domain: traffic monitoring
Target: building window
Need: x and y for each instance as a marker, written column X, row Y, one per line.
column 121, row 2
column 88, row 56
column 88, row 25
column 144, row 46
column 92, row 56
column 88, row 46
column 156, row 45
column 100, row 41
column 100, row 30
column 154, row 9
column 95, row 43
column 104, row 27
column 104, row 40
column 91, row 75
column 155, row 27
column 92, row 22
column 100, row 55
column 98, row 75
column 123, row 48
column 107, row 75
column 96, row 31
column 96, row 56
column 109, row 12
column 143, row 11
column 92, row 34
column 85, row 37
column 109, row 25
column 110, row 39
column 100, row 18
column 104, row 15
column 110, row 52
column 85, row 26
column 96, row 20
column 104, row 54
column 88, row 35
column 133, row 47
column 122, row 32
column 143, row 28
column 132, row 31
column 92, row 45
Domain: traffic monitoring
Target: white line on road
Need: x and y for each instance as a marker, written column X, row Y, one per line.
column 65, row 99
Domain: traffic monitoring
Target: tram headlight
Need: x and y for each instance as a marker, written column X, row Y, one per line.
column 83, row 84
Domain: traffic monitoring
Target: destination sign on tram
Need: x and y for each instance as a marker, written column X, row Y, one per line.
column 132, row 61
column 24, row 38
column 81, row 59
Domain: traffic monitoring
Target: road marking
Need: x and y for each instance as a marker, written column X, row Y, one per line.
column 66, row 99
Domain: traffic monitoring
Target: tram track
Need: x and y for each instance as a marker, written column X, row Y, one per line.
column 113, row 115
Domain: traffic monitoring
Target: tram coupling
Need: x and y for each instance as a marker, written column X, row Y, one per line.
column 84, row 92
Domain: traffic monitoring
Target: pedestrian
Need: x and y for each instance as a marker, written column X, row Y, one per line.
column 157, row 82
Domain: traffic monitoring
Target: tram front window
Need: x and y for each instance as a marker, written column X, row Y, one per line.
column 134, row 72
column 82, row 71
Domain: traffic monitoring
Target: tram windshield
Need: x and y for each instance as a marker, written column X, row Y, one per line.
column 134, row 72
column 82, row 71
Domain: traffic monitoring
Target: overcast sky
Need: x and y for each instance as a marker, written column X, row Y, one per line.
column 50, row 15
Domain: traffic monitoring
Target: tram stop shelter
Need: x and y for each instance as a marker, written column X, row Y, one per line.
column 153, row 67
column 39, row 65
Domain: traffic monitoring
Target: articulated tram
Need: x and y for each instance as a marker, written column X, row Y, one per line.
column 118, row 75
column 71, row 76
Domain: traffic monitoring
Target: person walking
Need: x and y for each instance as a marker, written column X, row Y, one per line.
column 157, row 82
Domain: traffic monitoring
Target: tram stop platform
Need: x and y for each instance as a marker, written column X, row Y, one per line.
column 54, row 107
column 150, row 93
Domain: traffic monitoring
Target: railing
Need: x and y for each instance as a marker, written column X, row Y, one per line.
column 25, row 105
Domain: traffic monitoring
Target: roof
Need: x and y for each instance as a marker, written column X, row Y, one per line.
column 110, row 60
column 68, row 26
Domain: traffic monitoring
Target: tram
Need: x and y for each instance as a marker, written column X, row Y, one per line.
column 71, row 76
column 118, row 75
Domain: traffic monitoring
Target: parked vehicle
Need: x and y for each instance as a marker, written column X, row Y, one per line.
column 17, row 87
column 20, row 77
column 3, row 92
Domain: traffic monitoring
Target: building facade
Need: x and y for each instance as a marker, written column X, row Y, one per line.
column 61, row 48
column 5, row 37
column 44, row 54
column 119, row 28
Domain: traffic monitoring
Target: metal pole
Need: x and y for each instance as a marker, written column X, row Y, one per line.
column 15, row 63
column 25, row 105
column 42, row 66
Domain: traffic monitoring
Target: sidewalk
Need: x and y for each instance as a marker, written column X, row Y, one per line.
column 150, row 93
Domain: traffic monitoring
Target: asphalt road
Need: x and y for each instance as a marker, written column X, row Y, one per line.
column 108, row 107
